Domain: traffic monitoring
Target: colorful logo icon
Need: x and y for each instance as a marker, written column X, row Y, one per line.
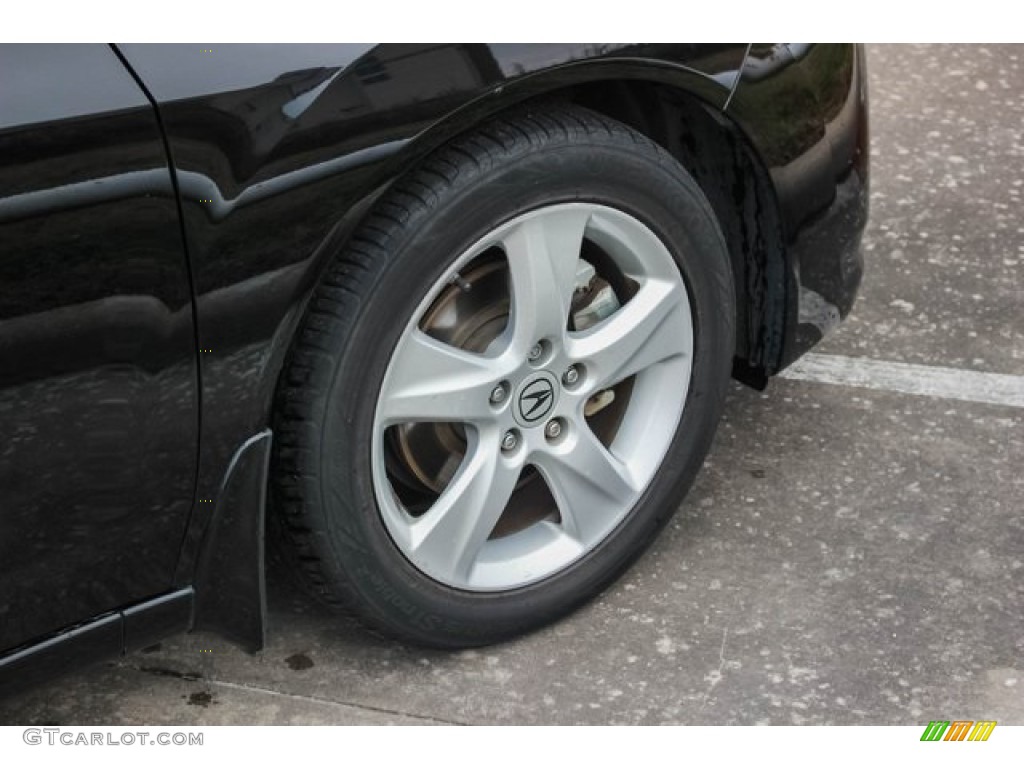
column 958, row 730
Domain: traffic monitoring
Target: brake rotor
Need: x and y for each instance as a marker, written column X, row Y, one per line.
column 469, row 314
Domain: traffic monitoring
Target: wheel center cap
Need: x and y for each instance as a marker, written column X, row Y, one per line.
column 536, row 399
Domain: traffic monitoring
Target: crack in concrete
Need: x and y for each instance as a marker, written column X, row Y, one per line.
column 302, row 697
column 715, row 677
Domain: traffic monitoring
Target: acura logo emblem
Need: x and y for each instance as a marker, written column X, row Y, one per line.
column 536, row 399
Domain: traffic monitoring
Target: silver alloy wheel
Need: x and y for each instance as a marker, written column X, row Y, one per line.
column 594, row 482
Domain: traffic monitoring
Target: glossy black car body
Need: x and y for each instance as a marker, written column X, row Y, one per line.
column 166, row 210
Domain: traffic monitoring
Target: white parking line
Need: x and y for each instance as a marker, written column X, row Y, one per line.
column 927, row 380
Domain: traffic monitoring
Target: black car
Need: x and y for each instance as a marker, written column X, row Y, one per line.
column 453, row 324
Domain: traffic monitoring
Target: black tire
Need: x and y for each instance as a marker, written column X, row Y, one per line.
column 322, row 489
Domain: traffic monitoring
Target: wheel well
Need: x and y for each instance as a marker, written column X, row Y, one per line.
column 736, row 184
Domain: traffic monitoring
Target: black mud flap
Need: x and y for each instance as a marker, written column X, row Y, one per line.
column 230, row 584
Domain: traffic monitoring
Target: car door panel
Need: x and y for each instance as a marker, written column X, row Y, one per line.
column 98, row 374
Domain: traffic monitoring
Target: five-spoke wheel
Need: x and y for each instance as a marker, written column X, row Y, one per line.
column 521, row 401
column 506, row 380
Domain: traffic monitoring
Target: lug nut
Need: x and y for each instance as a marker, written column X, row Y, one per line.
column 498, row 394
column 571, row 375
column 553, row 429
column 509, row 441
column 535, row 353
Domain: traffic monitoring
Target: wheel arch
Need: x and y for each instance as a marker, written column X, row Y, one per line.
column 680, row 109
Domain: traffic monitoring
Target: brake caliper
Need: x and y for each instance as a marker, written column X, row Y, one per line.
column 593, row 300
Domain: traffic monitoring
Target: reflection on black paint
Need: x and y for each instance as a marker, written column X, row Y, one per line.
column 97, row 372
